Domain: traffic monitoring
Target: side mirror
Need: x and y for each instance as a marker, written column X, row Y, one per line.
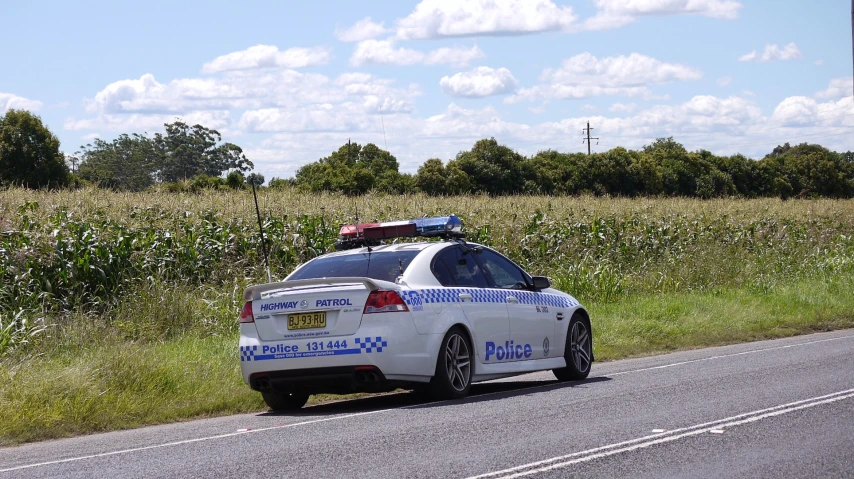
column 541, row 282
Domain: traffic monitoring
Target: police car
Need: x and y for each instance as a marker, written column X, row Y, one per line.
column 434, row 316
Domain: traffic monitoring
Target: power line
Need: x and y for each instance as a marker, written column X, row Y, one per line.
column 587, row 131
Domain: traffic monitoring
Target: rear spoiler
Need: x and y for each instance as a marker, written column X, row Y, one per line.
column 255, row 292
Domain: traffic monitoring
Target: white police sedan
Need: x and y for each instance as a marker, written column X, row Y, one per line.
column 433, row 316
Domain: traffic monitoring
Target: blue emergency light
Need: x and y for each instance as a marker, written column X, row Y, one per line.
column 361, row 234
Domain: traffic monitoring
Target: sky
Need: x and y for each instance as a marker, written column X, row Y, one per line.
column 290, row 82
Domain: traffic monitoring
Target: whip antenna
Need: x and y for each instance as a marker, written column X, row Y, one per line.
column 261, row 229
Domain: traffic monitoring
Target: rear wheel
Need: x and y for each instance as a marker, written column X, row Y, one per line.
column 454, row 367
column 578, row 352
column 285, row 401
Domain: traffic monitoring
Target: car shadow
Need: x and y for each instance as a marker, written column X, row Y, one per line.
column 481, row 392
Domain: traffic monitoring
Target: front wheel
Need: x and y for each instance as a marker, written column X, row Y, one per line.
column 285, row 401
column 578, row 352
column 454, row 368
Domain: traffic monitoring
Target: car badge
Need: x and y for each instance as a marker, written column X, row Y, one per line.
column 303, row 304
column 546, row 347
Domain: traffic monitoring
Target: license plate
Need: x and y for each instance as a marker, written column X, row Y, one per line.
column 307, row 321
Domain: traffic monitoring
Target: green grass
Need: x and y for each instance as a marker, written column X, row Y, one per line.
column 119, row 385
column 118, row 309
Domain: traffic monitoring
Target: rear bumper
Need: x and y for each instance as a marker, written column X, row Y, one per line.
column 331, row 380
column 379, row 357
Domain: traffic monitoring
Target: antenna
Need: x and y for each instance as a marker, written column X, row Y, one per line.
column 261, row 229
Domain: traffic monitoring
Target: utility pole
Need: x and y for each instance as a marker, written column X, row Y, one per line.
column 852, row 28
column 587, row 132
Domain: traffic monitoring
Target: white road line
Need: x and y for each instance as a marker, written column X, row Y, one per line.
column 189, row 441
column 721, row 356
column 651, row 440
column 664, row 366
column 304, row 423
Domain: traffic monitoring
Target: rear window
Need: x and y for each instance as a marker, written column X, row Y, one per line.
column 385, row 266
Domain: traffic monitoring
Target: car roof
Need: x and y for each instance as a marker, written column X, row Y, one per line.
column 409, row 246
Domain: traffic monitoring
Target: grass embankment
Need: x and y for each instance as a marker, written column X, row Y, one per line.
column 153, row 338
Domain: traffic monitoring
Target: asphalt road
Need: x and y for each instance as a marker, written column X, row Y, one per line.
column 782, row 408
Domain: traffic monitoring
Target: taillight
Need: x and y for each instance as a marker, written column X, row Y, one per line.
column 380, row 301
column 246, row 315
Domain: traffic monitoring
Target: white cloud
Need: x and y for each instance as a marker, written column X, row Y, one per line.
column 301, row 101
column 141, row 122
column 449, row 18
column 797, row 111
column 9, row 101
column 384, row 52
column 238, row 90
column 364, row 29
column 268, row 56
column 456, row 121
column 724, row 82
column 727, row 9
column 773, row 53
column 618, row 13
column 459, row 57
column 623, row 108
column 838, row 88
column 479, row 82
column 818, row 62
column 584, row 76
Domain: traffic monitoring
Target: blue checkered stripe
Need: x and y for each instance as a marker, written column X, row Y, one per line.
column 411, row 298
column 247, row 353
column 368, row 344
column 485, row 295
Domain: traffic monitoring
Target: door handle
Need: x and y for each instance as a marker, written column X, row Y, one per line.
column 512, row 299
column 465, row 297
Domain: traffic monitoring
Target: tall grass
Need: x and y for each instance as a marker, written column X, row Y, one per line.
column 89, row 275
column 92, row 252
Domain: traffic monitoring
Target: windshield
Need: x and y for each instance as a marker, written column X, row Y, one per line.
column 385, row 266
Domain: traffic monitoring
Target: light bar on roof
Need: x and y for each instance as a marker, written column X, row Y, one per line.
column 436, row 226
column 439, row 225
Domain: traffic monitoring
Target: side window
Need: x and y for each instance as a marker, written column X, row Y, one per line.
column 505, row 274
column 440, row 269
column 463, row 268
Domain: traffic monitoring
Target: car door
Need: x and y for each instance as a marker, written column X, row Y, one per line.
column 466, row 284
column 532, row 324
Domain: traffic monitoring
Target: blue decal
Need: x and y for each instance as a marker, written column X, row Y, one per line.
column 279, row 305
column 508, row 351
column 412, row 299
column 333, row 302
column 312, row 349
column 487, row 295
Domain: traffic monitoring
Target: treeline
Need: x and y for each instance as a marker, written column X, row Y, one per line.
column 663, row 168
column 194, row 157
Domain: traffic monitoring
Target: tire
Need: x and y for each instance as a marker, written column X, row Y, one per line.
column 285, row 401
column 454, row 367
column 578, row 352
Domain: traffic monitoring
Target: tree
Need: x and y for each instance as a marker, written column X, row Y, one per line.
column 235, row 180
column 493, row 168
column 280, row 183
column 256, row 179
column 431, row 177
column 187, row 151
column 127, row 163
column 29, row 152
column 354, row 170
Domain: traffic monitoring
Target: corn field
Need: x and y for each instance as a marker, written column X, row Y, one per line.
column 98, row 254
